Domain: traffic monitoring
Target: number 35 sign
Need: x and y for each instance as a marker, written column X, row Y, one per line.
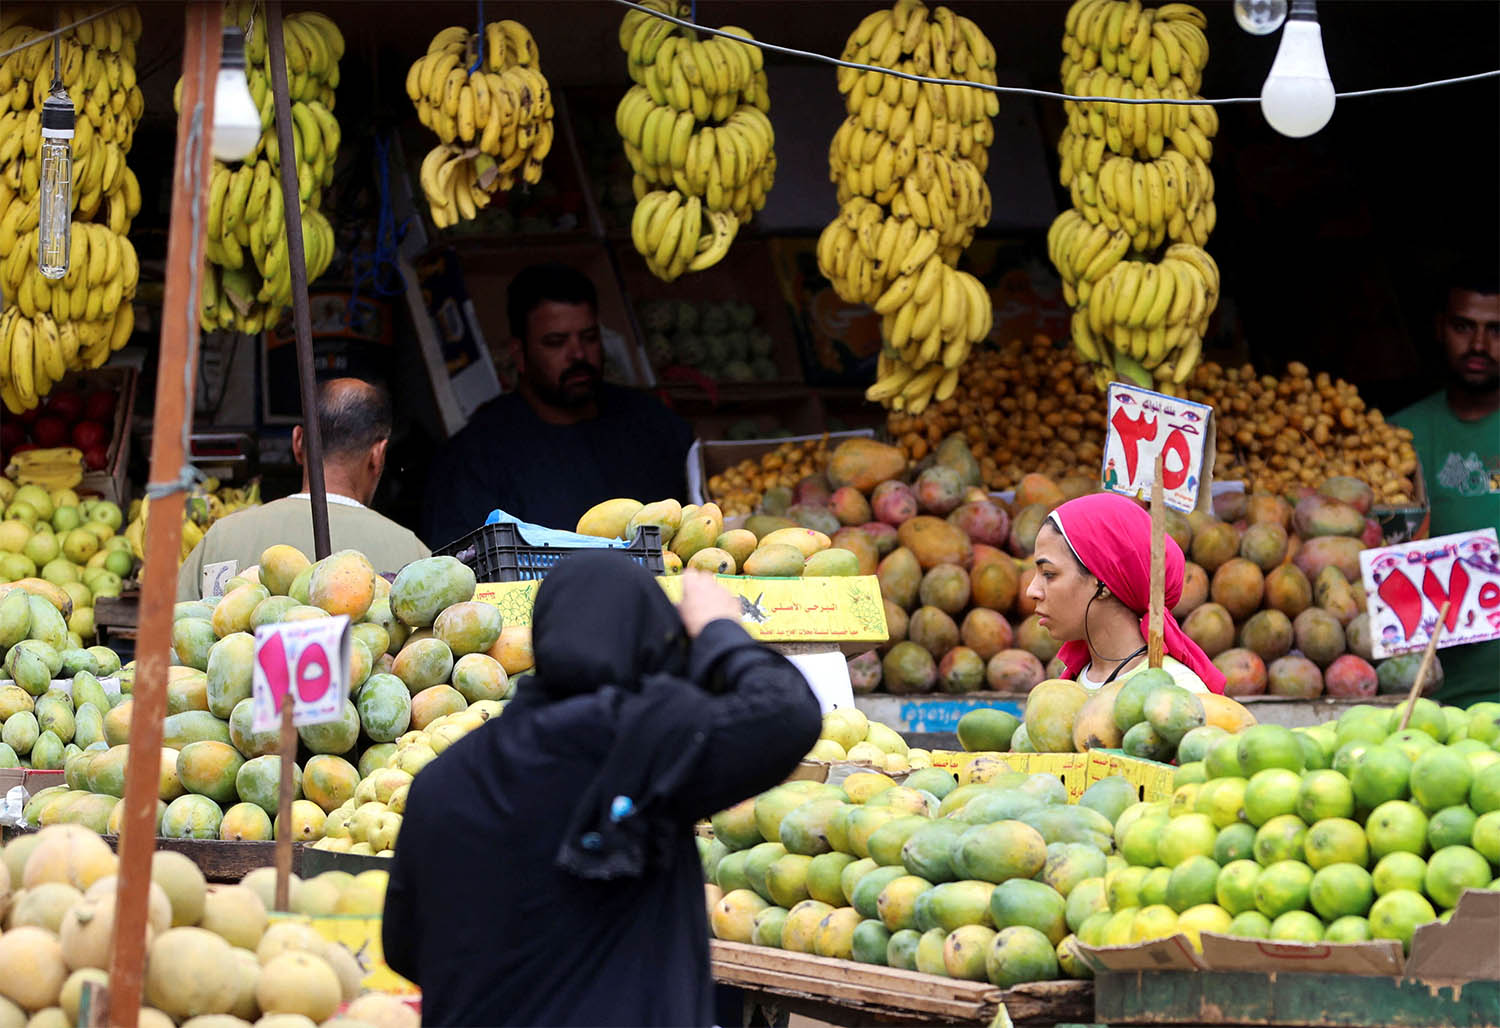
column 308, row 660
column 1143, row 424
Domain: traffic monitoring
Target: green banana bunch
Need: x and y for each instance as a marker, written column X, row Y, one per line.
column 697, row 136
column 908, row 163
column 503, row 110
column 1139, row 179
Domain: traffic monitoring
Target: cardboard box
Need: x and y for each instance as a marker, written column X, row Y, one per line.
column 707, row 459
column 1078, row 771
column 31, row 781
column 109, row 482
column 1462, row 950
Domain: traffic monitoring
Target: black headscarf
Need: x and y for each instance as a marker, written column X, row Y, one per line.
column 601, row 624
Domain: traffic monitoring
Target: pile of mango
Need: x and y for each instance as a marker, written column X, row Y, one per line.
column 1272, row 588
column 427, row 664
column 983, row 876
column 1147, row 715
column 66, row 541
column 695, row 537
column 214, row 954
column 1344, row 832
column 848, row 735
column 52, row 702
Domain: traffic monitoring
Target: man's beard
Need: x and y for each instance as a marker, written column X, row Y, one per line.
column 577, row 387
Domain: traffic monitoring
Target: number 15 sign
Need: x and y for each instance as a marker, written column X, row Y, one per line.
column 308, row 660
column 1143, row 424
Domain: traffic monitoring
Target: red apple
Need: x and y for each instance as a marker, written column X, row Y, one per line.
column 23, row 448
column 12, row 434
column 50, row 430
column 96, row 457
column 99, row 405
column 66, row 404
column 87, row 434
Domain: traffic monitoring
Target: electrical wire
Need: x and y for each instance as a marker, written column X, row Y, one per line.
column 1024, row 90
column 479, row 34
column 58, row 32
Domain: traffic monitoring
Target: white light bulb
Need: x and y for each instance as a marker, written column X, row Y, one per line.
column 236, row 118
column 55, row 179
column 1260, row 17
column 1298, row 96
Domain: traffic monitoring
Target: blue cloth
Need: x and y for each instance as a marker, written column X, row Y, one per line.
column 539, row 535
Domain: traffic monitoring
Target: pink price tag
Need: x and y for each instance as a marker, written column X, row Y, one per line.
column 308, row 660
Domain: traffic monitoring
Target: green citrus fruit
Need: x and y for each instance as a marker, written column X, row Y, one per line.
column 1283, row 886
column 1340, row 890
column 1336, row 840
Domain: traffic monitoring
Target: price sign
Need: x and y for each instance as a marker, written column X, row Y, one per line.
column 215, row 575
column 1406, row 586
column 1143, row 424
column 308, row 660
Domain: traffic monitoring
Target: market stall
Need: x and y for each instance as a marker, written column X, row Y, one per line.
column 897, row 364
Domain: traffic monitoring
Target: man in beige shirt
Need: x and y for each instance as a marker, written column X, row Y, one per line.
column 355, row 422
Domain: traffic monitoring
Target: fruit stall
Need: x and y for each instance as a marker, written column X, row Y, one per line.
column 895, row 370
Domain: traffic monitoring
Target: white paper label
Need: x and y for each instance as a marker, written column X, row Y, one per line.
column 309, row 660
column 215, row 575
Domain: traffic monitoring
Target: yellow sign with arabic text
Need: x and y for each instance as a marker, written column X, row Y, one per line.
column 783, row 610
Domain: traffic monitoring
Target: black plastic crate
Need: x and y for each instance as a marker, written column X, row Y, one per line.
column 498, row 553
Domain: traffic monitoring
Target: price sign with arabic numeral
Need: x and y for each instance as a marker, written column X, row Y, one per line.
column 1406, row 586
column 306, row 660
column 1142, row 424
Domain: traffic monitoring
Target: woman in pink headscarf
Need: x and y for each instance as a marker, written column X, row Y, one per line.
column 1093, row 588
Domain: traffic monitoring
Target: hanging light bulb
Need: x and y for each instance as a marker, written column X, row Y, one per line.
column 236, row 119
column 55, row 209
column 1260, row 17
column 1298, row 96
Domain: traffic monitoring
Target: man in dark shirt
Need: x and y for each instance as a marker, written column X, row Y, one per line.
column 563, row 440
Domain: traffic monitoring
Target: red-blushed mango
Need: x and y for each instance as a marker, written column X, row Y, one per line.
column 893, row 503
column 945, row 587
column 933, row 541
column 909, row 668
column 1238, row 586
column 1024, row 527
column 865, row 672
column 933, row 630
column 1215, row 544
column 343, row 583
column 960, row 671
column 1037, row 489
column 986, row 632
column 1268, row 508
column 1211, row 627
column 864, row 464
column 882, row 535
column 1288, row 590
column 1014, row 671
column 983, row 521
column 939, row 490
column 425, row 588
column 850, row 506
column 513, row 649
column 1319, row 636
column 900, row 577
column 1353, row 491
column 1264, row 545
column 995, row 584
column 1244, row 672
column 469, row 627
column 1318, row 515
column 1296, row 677
column 1338, row 551
column 1194, row 590
column 279, row 567
column 859, row 543
column 1349, row 677
column 430, row 704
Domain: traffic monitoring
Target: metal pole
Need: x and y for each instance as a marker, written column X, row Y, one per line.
column 170, row 480
column 312, row 437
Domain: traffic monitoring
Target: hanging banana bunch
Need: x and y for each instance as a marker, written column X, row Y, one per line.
column 1139, row 178
column 248, row 283
column 909, row 164
column 51, row 327
column 495, row 121
column 697, row 136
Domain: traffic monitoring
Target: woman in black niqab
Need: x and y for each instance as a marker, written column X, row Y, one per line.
column 546, row 871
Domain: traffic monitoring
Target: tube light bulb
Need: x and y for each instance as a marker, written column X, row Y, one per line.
column 55, row 213
column 236, row 118
column 1298, row 96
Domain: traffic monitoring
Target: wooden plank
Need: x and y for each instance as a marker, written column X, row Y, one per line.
column 858, row 997
column 1293, row 1001
column 220, row 861
column 911, row 983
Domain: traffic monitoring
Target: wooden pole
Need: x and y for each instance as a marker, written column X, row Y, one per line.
column 1157, row 612
column 1426, row 665
column 312, row 435
column 176, row 373
column 288, row 750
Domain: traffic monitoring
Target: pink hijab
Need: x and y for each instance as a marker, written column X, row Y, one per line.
column 1112, row 537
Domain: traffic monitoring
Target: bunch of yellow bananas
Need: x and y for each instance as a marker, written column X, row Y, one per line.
column 207, row 503
column 1139, row 177
column 909, row 164
column 495, row 122
column 697, row 137
column 59, row 467
column 56, row 325
column 247, row 281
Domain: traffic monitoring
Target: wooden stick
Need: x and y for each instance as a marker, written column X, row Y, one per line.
column 1156, row 614
column 1425, row 666
column 312, row 436
column 175, row 377
column 288, row 751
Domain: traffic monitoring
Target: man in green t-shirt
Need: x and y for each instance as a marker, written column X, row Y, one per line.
column 1456, row 433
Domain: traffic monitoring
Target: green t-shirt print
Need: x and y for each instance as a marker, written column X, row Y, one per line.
column 1461, row 462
